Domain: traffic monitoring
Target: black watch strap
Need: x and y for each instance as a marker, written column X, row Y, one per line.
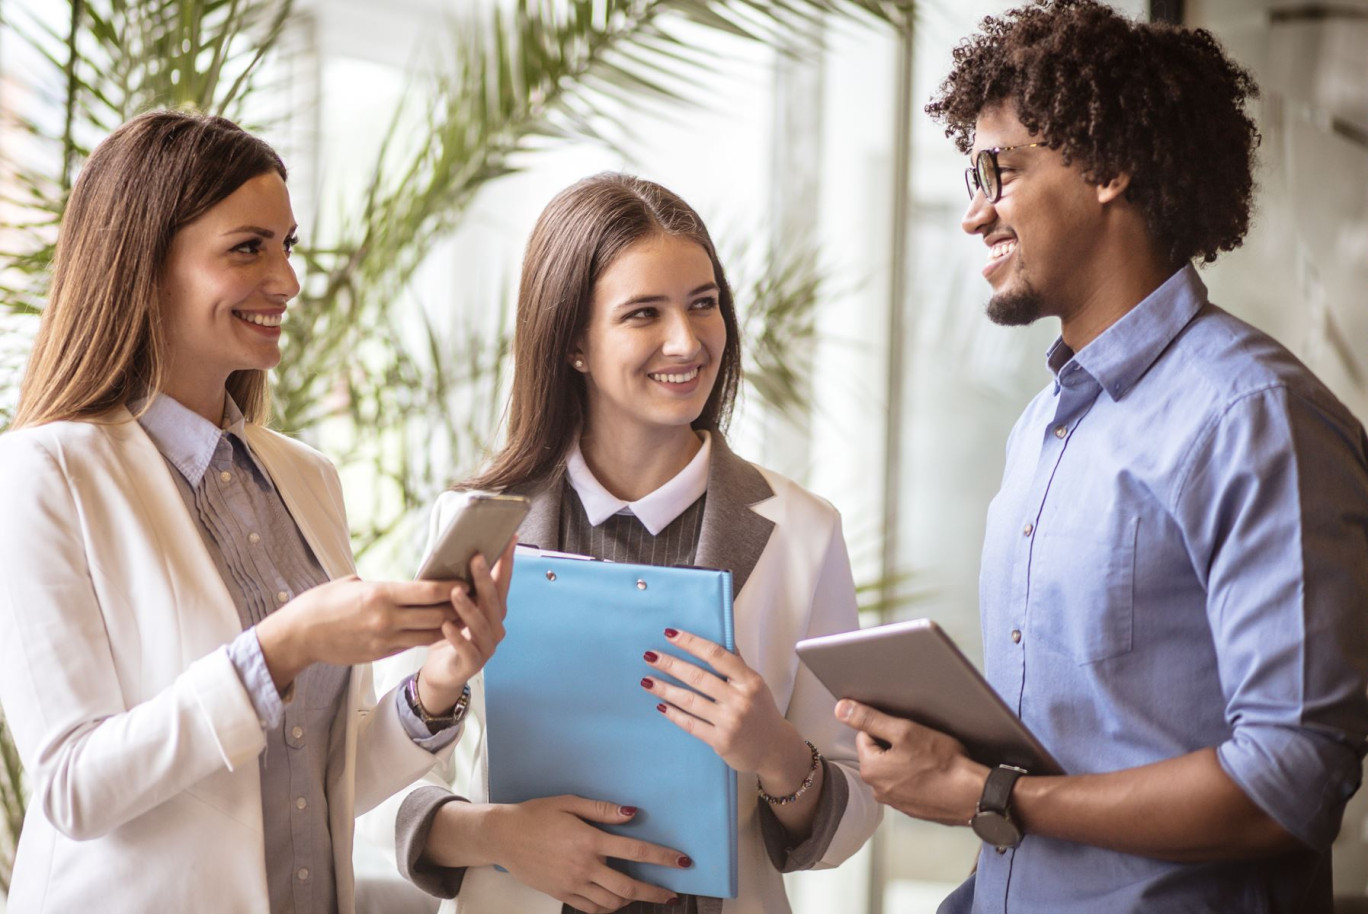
column 993, row 819
column 997, row 790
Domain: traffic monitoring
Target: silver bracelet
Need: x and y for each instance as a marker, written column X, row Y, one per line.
column 802, row 788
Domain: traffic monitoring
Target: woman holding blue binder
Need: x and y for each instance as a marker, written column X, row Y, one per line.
column 627, row 366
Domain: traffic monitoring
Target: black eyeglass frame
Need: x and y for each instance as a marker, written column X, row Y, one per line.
column 983, row 174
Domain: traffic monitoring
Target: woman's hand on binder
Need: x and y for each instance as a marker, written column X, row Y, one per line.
column 550, row 845
column 734, row 713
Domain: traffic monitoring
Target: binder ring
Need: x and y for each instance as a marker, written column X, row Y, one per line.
column 641, row 584
column 550, row 575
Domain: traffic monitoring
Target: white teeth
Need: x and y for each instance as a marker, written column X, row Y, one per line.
column 674, row 378
column 260, row 319
column 1001, row 250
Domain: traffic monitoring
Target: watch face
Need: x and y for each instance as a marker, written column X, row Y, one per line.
column 996, row 829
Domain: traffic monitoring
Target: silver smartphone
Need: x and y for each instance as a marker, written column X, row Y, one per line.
column 484, row 526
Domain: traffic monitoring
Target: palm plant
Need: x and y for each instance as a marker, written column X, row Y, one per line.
column 526, row 76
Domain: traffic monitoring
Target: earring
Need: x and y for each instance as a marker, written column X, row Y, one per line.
column 579, row 364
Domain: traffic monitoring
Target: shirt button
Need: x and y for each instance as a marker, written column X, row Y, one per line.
column 1061, row 431
column 303, row 874
column 1027, row 530
column 301, row 803
column 226, row 476
column 254, row 538
column 297, row 732
column 1016, row 636
column 282, row 596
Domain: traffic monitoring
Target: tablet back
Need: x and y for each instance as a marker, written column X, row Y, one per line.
column 913, row 670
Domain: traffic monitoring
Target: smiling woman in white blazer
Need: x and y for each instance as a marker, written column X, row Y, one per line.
column 140, row 697
column 627, row 361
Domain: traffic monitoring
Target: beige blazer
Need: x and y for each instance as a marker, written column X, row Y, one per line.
column 791, row 580
column 138, row 738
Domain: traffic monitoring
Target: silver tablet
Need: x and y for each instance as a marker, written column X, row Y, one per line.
column 913, row 670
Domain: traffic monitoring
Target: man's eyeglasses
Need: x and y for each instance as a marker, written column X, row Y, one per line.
column 983, row 174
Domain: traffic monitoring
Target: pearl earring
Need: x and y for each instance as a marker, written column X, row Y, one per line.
column 579, row 364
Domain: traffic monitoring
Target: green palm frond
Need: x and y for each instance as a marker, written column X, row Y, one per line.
column 112, row 60
column 522, row 79
column 779, row 329
column 11, row 803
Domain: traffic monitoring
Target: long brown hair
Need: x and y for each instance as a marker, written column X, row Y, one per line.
column 579, row 234
column 100, row 342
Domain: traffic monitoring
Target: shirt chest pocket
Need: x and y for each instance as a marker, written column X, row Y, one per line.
column 1082, row 589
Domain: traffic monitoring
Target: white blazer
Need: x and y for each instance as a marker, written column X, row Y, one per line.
column 139, row 739
column 791, row 579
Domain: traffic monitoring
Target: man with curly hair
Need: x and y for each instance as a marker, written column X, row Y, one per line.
column 1175, row 570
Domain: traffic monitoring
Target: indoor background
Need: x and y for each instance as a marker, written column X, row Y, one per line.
column 835, row 202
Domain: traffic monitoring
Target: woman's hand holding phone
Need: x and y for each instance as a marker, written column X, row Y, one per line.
column 349, row 621
column 468, row 641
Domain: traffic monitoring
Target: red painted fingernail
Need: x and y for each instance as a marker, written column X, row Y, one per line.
column 660, row 708
column 651, row 656
column 627, row 810
column 685, row 861
column 670, row 633
column 647, row 682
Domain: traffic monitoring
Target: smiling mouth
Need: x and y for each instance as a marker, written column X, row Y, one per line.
column 260, row 318
column 681, row 378
column 1002, row 250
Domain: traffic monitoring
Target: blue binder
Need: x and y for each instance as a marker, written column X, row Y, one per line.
column 565, row 712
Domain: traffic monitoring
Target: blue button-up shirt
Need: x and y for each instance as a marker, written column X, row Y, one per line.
column 1178, row 559
column 265, row 562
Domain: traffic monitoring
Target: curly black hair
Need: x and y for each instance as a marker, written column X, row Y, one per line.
column 1157, row 102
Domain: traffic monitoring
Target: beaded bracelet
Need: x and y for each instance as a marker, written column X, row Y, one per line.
column 802, row 788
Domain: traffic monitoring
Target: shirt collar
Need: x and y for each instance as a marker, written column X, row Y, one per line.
column 1125, row 351
column 184, row 437
column 656, row 510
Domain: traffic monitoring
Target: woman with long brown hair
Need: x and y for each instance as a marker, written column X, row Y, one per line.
column 627, row 365
column 179, row 612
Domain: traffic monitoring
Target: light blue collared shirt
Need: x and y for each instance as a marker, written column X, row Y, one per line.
column 1178, row 559
column 265, row 561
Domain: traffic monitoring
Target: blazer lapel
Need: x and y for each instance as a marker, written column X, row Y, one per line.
column 191, row 574
column 733, row 536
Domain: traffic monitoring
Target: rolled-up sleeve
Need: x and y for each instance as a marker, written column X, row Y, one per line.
column 411, row 828
column 1274, row 506
column 245, row 653
column 790, row 857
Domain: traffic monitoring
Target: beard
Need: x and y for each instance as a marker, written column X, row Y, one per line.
column 1016, row 307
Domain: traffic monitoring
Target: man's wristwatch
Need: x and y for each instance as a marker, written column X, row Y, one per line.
column 436, row 724
column 993, row 819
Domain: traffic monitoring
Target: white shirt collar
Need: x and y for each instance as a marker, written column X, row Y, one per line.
column 656, row 509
